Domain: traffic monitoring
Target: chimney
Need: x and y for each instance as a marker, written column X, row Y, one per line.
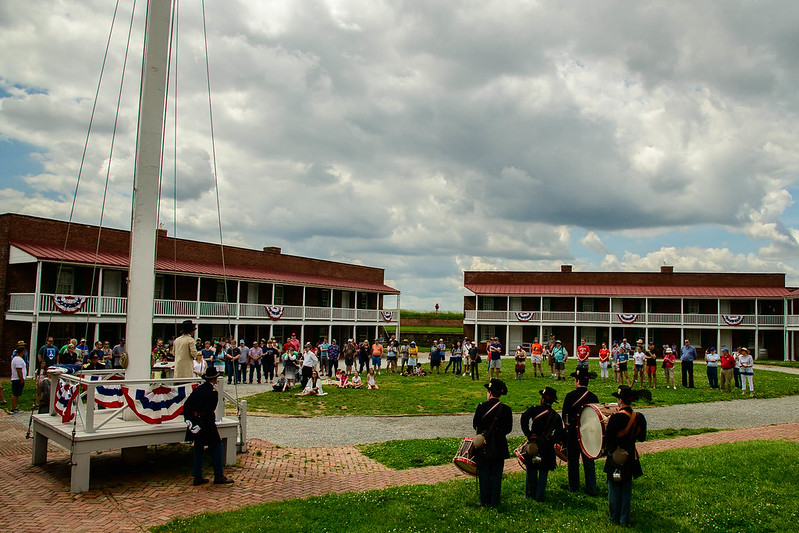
column 565, row 268
column 272, row 250
column 161, row 232
column 667, row 269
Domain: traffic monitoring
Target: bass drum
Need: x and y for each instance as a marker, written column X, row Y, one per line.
column 464, row 459
column 591, row 431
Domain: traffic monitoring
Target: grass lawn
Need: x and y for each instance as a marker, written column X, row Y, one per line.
column 416, row 453
column 728, row 487
column 769, row 362
column 410, row 330
column 28, row 394
column 452, row 315
column 448, row 394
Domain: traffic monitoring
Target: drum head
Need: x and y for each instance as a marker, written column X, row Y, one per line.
column 591, row 431
column 467, row 466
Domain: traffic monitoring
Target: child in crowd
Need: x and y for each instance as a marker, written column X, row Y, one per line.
column 356, row 381
column 282, row 384
column 343, row 379
column 371, row 384
column 419, row 371
column 638, row 366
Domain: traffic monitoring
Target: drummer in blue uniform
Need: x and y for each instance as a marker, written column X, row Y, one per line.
column 543, row 428
column 622, row 464
column 494, row 420
column 573, row 405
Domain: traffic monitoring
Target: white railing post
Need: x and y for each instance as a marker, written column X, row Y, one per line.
column 89, row 422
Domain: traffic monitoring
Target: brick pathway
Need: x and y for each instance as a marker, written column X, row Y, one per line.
column 132, row 499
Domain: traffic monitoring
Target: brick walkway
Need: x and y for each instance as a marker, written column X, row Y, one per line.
column 132, row 499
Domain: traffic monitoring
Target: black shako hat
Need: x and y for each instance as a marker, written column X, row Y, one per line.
column 549, row 395
column 625, row 394
column 497, row 387
column 188, row 326
column 211, row 373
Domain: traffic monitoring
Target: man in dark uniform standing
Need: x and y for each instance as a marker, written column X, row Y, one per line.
column 494, row 420
column 573, row 405
column 622, row 464
column 199, row 412
column 542, row 426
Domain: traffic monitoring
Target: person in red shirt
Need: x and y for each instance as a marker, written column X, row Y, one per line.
column 727, row 369
column 668, row 367
column 583, row 351
column 604, row 361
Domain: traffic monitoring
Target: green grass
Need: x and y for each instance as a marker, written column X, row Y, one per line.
column 728, row 487
column 28, row 394
column 416, row 453
column 771, row 362
column 431, row 314
column 409, row 330
column 447, row 394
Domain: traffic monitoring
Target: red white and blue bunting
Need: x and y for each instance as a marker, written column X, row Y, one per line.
column 388, row 316
column 64, row 400
column 524, row 316
column 109, row 396
column 69, row 304
column 732, row 320
column 628, row 318
column 274, row 312
column 157, row 404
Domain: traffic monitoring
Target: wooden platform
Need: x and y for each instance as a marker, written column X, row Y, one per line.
column 131, row 436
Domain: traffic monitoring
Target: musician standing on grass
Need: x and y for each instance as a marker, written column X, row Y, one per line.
column 543, row 426
column 573, row 405
column 622, row 464
column 494, row 420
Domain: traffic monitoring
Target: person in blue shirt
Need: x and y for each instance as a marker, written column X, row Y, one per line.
column 687, row 357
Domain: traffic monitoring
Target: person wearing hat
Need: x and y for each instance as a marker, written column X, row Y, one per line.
column 543, row 428
column 493, row 420
column 712, row 367
column 622, row 464
column 94, row 362
column 747, row 373
column 18, row 370
column 199, row 413
column 560, row 355
column 668, row 366
column 573, row 405
column 185, row 351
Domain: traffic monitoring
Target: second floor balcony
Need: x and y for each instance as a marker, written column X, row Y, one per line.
column 111, row 306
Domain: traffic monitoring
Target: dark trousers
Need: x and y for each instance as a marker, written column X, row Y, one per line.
column 242, row 375
column 535, row 484
column 231, row 371
column 332, row 366
column 736, row 374
column 269, row 371
column 713, row 376
column 475, row 371
column 323, row 364
column 306, row 375
column 256, row 368
column 216, row 460
column 619, row 495
column 687, row 374
column 361, row 362
column 574, row 453
column 489, row 474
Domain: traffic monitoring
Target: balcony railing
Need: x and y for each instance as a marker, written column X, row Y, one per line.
column 24, row 303
column 637, row 319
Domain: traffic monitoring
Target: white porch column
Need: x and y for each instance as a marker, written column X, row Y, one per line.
column 757, row 331
column 33, row 347
column 197, row 307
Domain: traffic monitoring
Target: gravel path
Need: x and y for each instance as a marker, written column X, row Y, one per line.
column 350, row 430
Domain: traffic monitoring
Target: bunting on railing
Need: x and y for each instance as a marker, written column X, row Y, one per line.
column 64, row 400
column 524, row 316
column 109, row 396
column 733, row 320
column 388, row 316
column 69, row 304
column 158, row 404
column 628, row 318
column 274, row 311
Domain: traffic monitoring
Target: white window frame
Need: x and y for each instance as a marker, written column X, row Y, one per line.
column 65, row 282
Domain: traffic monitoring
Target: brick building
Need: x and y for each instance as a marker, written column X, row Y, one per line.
column 257, row 294
column 710, row 309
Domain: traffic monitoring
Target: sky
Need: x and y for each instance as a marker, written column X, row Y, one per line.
column 427, row 138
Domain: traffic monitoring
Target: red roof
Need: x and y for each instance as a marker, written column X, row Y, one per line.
column 627, row 290
column 120, row 260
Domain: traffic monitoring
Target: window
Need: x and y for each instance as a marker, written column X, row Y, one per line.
column 546, row 304
column 112, row 283
column 66, row 281
column 363, row 300
column 159, row 287
column 252, row 293
column 589, row 334
column 692, row 307
column 588, row 307
column 324, row 298
column 278, row 295
column 220, row 291
column 486, row 303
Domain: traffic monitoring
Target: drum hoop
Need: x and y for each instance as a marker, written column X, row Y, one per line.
column 580, row 437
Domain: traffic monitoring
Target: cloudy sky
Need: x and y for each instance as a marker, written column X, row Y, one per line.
column 430, row 137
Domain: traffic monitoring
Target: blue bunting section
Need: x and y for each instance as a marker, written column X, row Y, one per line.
column 387, row 315
column 109, row 396
column 274, row 312
column 158, row 404
column 628, row 318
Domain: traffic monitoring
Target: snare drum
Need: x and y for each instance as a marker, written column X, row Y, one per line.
column 591, row 431
column 464, row 459
column 521, row 454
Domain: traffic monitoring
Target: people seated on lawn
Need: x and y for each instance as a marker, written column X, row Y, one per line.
column 371, row 383
column 282, row 384
column 313, row 387
column 356, row 382
column 343, row 379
